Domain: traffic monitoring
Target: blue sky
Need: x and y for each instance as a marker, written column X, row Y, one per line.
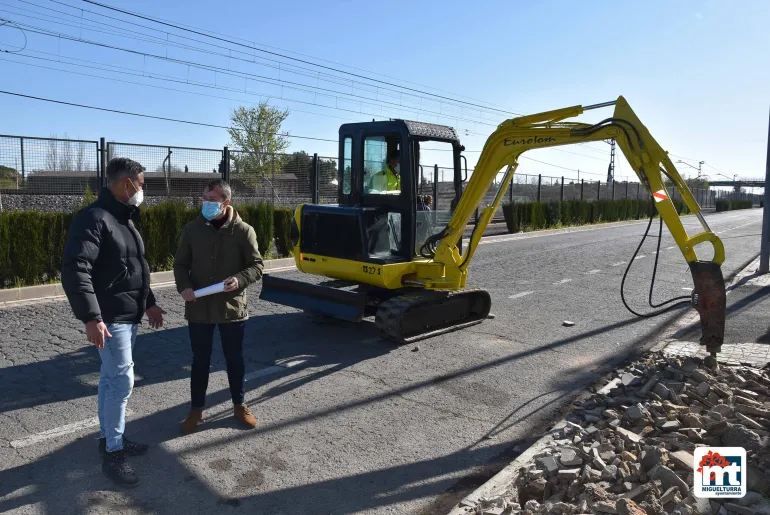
column 696, row 72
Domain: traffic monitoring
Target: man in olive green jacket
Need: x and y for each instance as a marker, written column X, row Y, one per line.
column 217, row 247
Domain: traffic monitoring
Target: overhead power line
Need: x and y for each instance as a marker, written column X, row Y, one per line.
column 152, row 116
column 230, row 41
column 204, row 124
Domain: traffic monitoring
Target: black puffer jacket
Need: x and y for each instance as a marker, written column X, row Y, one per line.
column 104, row 270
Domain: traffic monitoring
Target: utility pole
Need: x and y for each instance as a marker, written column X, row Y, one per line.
column 764, row 253
column 611, row 168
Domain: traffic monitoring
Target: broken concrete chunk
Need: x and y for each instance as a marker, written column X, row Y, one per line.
column 628, row 507
column 703, row 389
column 682, row 460
column 610, row 473
column 548, row 463
column 661, row 390
column 700, row 376
column 628, row 436
column 671, row 425
column 569, row 474
column 628, row 379
column 648, row 385
column 738, row 510
column 569, row 458
column 739, row 435
column 668, row 478
column 627, row 456
column 604, row 507
column 636, row 412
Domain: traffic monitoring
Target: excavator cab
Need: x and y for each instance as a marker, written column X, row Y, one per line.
column 380, row 218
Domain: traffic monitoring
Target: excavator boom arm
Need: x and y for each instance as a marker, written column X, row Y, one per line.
column 649, row 161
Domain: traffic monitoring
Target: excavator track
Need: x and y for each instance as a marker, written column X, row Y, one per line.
column 416, row 316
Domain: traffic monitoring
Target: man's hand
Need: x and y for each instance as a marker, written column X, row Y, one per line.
column 95, row 332
column 155, row 316
column 188, row 295
column 231, row 283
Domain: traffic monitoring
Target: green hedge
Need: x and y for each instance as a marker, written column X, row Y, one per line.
column 532, row 216
column 32, row 242
column 282, row 222
column 730, row 205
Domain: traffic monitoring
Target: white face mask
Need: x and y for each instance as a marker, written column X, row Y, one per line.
column 136, row 198
column 397, row 169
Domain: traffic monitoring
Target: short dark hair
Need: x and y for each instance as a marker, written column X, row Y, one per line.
column 393, row 155
column 224, row 187
column 120, row 167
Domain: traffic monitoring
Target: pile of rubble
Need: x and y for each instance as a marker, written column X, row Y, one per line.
column 628, row 448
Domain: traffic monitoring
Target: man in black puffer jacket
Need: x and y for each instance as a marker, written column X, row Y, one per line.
column 107, row 281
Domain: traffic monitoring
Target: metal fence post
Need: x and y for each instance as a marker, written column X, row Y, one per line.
column 314, row 194
column 539, row 184
column 626, row 197
column 102, row 156
column 764, row 254
column 638, row 187
column 613, row 190
column 23, row 176
column 582, row 184
column 510, row 191
column 598, row 190
column 435, row 187
column 226, row 164
column 561, row 194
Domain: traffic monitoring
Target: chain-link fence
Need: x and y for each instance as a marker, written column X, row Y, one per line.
column 53, row 174
column 171, row 172
column 48, row 166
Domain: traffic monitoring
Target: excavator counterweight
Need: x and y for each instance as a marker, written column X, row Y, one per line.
column 391, row 256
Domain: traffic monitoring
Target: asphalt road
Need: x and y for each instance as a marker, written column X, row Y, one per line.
column 347, row 423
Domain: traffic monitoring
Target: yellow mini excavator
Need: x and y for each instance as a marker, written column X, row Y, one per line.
column 385, row 254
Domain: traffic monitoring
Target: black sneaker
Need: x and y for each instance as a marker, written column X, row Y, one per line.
column 129, row 447
column 116, row 467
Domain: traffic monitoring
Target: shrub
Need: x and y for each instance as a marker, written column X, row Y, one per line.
column 282, row 218
column 32, row 242
column 730, row 205
column 524, row 216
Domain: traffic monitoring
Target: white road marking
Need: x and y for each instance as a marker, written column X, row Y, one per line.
column 273, row 370
column 520, row 294
column 669, row 248
column 58, row 431
column 687, row 289
column 618, row 263
column 592, row 272
column 562, row 281
column 94, row 421
column 640, row 257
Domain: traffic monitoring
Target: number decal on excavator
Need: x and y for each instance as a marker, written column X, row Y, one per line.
column 372, row 270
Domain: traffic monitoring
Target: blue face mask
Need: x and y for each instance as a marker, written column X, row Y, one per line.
column 211, row 210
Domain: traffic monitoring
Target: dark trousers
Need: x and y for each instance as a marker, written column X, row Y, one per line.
column 201, row 338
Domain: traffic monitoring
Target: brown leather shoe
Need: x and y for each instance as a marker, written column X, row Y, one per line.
column 243, row 414
column 192, row 421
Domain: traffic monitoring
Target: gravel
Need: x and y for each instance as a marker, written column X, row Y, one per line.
column 629, row 450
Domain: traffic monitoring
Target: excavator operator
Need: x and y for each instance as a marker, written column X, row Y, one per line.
column 390, row 178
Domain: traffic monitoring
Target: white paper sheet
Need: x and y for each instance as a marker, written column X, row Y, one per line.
column 210, row 290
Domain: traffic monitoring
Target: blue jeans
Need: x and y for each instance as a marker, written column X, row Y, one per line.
column 116, row 383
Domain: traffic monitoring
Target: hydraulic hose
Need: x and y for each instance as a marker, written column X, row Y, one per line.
column 682, row 299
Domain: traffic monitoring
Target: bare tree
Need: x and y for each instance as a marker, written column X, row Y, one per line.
column 81, row 157
column 52, row 156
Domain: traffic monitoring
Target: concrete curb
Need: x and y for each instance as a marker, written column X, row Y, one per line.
column 14, row 296
column 503, row 480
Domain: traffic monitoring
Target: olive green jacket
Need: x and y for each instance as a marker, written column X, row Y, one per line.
column 207, row 256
